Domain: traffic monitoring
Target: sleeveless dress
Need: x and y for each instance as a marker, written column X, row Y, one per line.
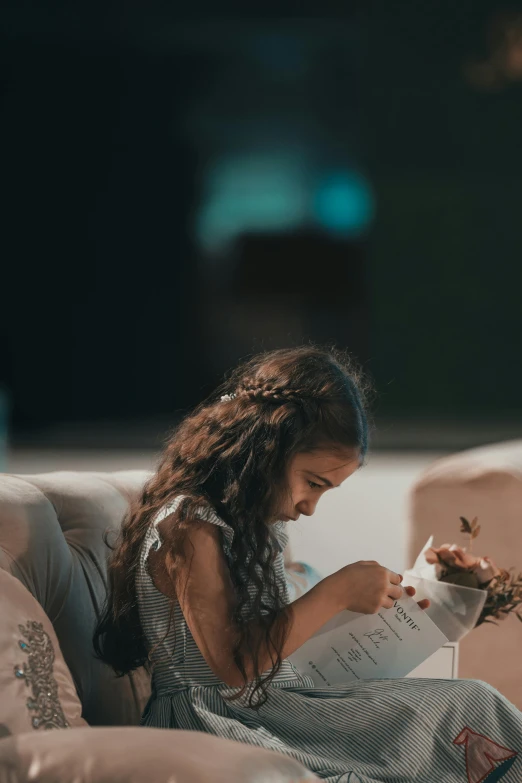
column 370, row 731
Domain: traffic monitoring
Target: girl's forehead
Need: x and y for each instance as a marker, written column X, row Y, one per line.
column 327, row 461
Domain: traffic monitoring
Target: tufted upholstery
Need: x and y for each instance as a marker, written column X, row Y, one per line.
column 487, row 483
column 51, row 528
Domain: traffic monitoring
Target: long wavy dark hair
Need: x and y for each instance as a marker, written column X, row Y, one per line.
column 232, row 455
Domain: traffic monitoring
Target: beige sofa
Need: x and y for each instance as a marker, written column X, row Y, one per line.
column 52, row 588
column 53, row 583
column 487, row 483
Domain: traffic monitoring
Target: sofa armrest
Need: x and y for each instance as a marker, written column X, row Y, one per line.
column 486, row 483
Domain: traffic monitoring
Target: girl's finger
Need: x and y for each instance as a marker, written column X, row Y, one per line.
column 410, row 590
column 395, row 591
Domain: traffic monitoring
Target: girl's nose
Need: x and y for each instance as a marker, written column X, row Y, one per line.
column 306, row 507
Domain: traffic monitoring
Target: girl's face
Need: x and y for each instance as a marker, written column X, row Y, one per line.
column 311, row 474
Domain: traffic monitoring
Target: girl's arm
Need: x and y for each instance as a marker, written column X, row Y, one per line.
column 205, row 593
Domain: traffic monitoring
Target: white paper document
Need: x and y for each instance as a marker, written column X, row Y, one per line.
column 355, row 646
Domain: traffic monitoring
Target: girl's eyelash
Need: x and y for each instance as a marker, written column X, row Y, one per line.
column 312, row 485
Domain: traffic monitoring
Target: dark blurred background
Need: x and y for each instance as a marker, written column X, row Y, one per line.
column 180, row 192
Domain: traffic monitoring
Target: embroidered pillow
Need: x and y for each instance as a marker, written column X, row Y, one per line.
column 35, row 683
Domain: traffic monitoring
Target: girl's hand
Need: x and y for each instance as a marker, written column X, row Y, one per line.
column 366, row 587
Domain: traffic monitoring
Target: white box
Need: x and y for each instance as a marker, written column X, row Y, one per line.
column 443, row 664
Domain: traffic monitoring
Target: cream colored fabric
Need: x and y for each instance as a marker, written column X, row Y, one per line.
column 135, row 755
column 486, row 483
column 18, row 652
column 51, row 539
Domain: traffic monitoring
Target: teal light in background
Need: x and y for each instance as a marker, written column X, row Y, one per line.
column 251, row 193
column 344, row 204
column 279, row 192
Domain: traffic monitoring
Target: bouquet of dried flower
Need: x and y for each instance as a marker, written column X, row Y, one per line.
column 465, row 590
column 459, row 567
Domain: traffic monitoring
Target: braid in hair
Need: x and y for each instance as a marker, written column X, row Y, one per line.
column 266, row 392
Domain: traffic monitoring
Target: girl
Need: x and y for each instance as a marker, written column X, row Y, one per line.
column 198, row 592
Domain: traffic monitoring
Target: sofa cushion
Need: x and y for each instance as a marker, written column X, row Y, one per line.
column 134, row 755
column 35, row 684
column 51, row 539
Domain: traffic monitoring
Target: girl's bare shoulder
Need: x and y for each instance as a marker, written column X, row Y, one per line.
column 202, row 550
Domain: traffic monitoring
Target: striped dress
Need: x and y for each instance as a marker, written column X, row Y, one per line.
column 371, row 731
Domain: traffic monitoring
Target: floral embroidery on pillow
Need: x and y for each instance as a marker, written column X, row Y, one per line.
column 38, row 673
